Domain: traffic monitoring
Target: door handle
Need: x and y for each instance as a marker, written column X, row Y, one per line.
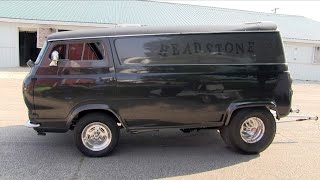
column 107, row 78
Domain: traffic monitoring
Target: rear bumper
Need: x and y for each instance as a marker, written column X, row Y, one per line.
column 45, row 127
column 31, row 125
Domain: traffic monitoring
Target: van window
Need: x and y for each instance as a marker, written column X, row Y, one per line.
column 75, row 51
column 80, row 51
column 220, row 48
column 93, row 51
column 42, row 52
column 61, row 49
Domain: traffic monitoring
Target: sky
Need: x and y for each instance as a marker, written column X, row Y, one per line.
column 310, row 9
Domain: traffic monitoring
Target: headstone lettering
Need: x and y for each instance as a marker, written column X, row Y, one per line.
column 232, row 48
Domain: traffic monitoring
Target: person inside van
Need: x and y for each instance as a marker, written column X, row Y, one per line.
column 61, row 49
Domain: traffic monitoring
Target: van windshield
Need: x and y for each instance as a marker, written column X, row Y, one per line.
column 40, row 55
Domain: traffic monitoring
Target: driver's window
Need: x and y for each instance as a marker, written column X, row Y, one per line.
column 61, row 49
column 88, row 53
column 83, row 51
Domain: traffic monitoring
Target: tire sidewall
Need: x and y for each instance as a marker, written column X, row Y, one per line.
column 91, row 118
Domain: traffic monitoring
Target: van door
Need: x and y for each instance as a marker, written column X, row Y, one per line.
column 85, row 74
column 162, row 98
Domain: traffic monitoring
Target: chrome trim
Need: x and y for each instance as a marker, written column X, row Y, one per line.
column 31, row 125
column 252, row 130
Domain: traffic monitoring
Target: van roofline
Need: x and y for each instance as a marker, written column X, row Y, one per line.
column 161, row 30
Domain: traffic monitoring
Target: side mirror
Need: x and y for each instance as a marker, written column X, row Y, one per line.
column 30, row 63
column 54, row 59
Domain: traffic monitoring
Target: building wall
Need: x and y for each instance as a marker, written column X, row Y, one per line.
column 9, row 45
column 301, row 62
column 308, row 72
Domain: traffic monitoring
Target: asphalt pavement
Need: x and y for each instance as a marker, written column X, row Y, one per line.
column 141, row 156
column 164, row 154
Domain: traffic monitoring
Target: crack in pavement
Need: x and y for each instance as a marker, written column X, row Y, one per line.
column 76, row 174
column 288, row 139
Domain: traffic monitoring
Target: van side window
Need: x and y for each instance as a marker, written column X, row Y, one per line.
column 191, row 49
column 84, row 51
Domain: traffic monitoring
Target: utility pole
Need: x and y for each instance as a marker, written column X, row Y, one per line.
column 275, row 10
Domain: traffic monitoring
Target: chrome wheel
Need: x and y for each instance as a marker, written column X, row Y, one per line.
column 252, row 130
column 96, row 136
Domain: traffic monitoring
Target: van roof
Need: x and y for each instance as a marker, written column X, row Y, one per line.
column 150, row 30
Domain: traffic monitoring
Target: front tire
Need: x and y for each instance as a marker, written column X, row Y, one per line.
column 250, row 131
column 96, row 134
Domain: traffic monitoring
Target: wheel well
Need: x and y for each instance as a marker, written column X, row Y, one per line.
column 228, row 119
column 85, row 112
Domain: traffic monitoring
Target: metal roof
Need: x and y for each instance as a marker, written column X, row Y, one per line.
column 152, row 13
column 151, row 30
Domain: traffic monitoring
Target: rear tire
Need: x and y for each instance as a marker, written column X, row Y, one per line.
column 250, row 131
column 96, row 134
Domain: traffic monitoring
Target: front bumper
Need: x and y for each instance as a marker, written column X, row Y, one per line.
column 31, row 125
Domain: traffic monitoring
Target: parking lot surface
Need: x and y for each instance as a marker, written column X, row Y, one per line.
column 294, row 154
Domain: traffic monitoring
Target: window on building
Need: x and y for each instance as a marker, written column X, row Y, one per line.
column 80, row 51
column 62, row 30
column 317, row 55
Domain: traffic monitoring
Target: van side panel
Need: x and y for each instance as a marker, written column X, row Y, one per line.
column 177, row 80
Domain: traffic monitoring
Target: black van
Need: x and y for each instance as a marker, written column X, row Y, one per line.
column 96, row 82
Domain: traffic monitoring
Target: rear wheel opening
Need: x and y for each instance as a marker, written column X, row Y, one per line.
column 250, row 131
column 96, row 134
